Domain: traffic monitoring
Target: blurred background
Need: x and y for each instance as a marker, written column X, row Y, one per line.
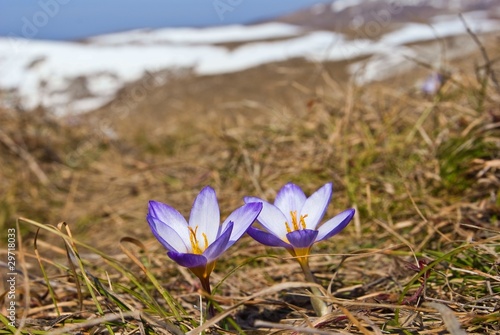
column 72, row 56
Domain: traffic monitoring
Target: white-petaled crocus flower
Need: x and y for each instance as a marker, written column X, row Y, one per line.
column 198, row 243
column 293, row 222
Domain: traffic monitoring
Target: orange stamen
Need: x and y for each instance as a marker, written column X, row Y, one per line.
column 295, row 222
column 293, row 214
column 195, row 244
column 303, row 221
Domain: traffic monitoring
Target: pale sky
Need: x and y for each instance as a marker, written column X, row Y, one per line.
column 74, row 19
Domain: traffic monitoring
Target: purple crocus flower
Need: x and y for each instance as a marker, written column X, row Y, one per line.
column 433, row 83
column 198, row 243
column 293, row 222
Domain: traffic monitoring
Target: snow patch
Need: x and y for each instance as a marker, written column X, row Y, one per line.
column 341, row 5
column 215, row 35
column 77, row 77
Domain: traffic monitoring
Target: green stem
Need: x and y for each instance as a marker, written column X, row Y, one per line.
column 319, row 305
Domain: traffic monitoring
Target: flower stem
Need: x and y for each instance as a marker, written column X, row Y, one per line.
column 205, row 284
column 319, row 305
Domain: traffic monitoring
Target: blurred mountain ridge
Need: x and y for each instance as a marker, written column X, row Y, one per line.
column 343, row 15
column 375, row 37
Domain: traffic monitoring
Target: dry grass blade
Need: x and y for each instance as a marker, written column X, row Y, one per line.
column 295, row 329
column 26, row 279
column 94, row 322
column 355, row 321
column 71, row 256
column 484, row 53
column 45, row 276
column 449, row 318
column 26, row 156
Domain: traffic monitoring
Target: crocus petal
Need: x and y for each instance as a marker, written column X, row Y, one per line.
column 267, row 238
column 215, row 249
column 253, row 199
column 205, row 214
column 315, row 206
column 171, row 217
column 335, row 225
column 168, row 236
column 303, row 238
column 168, row 215
column 290, row 198
column 242, row 218
column 271, row 218
column 188, row 260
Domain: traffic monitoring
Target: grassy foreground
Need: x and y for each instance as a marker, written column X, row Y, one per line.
column 422, row 255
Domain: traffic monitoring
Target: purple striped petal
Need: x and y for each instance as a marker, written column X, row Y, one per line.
column 315, row 206
column 188, row 260
column 267, row 238
column 168, row 236
column 271, row 218
column 169, row 216
column 303, row 238
column 220, row 244
column 205, row 214
column 290, row 198
column 242, row 218
column 335, row 225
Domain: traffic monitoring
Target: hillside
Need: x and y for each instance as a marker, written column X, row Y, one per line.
column 68, row 78
column 372, row 18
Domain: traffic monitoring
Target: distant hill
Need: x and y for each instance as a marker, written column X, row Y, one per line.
column 372, row 16
column 376, row 39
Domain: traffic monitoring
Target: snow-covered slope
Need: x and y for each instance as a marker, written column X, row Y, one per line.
column 223, row 34
column 77, row 77
column 368, row 17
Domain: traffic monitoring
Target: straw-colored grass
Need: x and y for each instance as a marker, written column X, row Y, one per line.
column 420, row 257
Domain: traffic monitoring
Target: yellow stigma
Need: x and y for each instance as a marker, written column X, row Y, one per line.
column 295, row 222
column 195, row 244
